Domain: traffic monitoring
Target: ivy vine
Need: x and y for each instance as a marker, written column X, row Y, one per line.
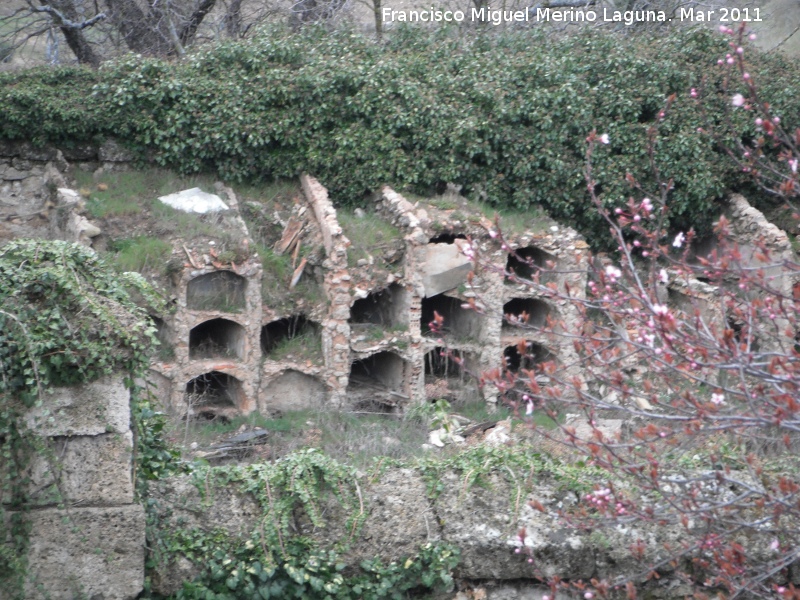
column 65, row 319
column 277, row 562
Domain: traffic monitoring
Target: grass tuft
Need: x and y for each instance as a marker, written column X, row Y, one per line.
column 369, row 235
column 139, row 253
column 306, row 345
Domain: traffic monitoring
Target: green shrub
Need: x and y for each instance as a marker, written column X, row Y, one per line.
column 505, row 116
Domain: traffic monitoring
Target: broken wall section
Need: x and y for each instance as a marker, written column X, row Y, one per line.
column 216, row 324
column 540, row 268
column 485, row 310
column 335, row 329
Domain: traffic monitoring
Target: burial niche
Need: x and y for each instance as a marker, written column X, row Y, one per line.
column 214, row 394
column 222, row 291
column 376, row 382
column 449, row 374
column 535, row 354
column 293, row 390
column 217, row 338
column 458, row 322
column 291, row 335
column 386, row 308
column 525, row 312
column 526, row 262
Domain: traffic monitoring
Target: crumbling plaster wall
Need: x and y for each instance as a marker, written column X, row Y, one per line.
column 242, row 365
column 487, row 289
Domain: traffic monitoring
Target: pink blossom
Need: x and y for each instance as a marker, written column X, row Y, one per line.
column 752, row 37
column 613, row 272
column 693, row 93
column 718, row 399
column 660, row 309
column 679, row 239
column 663, row 277
column 793, row 165
column 737, row 100
column 604, row 139
column 588, row 595
column 759, row 122
column 774, row 545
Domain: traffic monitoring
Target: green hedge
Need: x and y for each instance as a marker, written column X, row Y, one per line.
column 505, row 116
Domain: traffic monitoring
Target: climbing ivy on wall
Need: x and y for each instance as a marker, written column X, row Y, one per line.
column 65, row 319
column 277, row 561
column 505, row 116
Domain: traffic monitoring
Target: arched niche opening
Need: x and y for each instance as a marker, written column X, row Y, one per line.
column 449, row 374
column 217, row 338
column 214, row 395
column 386, row 308
column 293, row 390
column 377, row 382
column 447, row 238
column 526, row 262
column 222, row 291
column 525, row 312
column 459, row 322
column 535, row 354
column 293, row 335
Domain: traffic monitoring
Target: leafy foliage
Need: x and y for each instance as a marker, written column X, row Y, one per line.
column 314, row 574
column 65, row 319
column 519, row 463
column 415, row 112
column 275, row 562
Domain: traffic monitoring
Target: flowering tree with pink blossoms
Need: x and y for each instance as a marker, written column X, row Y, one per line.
column 697, row 353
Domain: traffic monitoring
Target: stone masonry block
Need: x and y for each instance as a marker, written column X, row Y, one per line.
column 85, row 553
column 93, row 470
column 102, row 406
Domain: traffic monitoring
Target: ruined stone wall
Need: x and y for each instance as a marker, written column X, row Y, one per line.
column 400, row 515
column 335, row 329
column 87, row 535
column 436, row 270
